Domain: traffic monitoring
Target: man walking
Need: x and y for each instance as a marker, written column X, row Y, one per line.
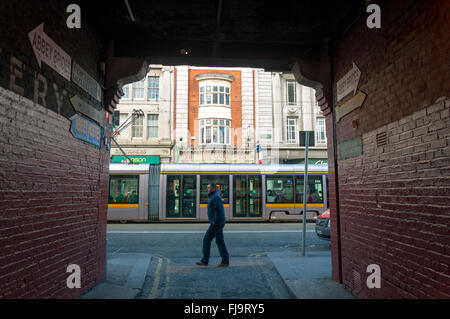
column 216, row 217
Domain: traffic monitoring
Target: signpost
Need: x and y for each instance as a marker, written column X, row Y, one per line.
column 46, row 50
column 90, row 111
column 348, row 83
column 86, row 82
column 85, row 130
column 306, row 139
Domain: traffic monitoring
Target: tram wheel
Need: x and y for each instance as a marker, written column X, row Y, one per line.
column 123, row 221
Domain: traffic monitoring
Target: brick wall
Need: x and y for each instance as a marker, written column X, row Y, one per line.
column 235, row 103
column 53, row 187
column 394, row 199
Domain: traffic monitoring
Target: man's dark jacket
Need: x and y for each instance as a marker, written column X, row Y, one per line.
column 216, row 213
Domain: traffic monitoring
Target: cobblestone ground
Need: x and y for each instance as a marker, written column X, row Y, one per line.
column 175, row 249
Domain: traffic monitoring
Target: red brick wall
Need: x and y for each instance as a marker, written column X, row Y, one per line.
column 235, row 103
column 53, row 187
column 394, row 199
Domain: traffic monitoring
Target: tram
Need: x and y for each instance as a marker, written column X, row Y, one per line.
column 250, row 192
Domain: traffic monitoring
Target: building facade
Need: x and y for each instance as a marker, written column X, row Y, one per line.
column 220, row 115
column 149, row 135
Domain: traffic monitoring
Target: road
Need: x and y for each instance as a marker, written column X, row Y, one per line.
column 176, row 247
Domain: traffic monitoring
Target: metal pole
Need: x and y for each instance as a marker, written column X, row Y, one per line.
column 305, row 188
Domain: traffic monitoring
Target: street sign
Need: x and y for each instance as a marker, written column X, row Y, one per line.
column 350, row 148
column 350, row 105
column 311, row 140
column 46, row 50
column 154, row 160
column 85, row 130
column 86, row 82
column 89, row 110
column 348, row 83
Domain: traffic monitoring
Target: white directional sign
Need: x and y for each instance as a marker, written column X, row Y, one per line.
column 348, row 83
column 46, row 50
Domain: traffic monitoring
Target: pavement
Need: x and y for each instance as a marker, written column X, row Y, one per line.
column 309, row 276
column 125, row 277
column 130, row 264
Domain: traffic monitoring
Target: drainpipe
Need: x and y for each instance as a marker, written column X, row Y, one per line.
column 335, row 159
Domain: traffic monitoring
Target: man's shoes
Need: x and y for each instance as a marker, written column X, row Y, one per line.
column 201, row 263
column 223, row 265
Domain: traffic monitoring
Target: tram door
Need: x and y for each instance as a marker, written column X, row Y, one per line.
column 247, row 196
column 181, row 196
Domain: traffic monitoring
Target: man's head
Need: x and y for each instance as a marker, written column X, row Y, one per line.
column 211, row 188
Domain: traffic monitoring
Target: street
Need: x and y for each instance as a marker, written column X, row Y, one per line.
column 176, row 247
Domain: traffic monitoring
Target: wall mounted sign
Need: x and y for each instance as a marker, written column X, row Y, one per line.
column 350, row 148
column 46, row 50
column 85, row 108
column 350, row 105
column 86, row 82
column 154, row 160
column 348, row 83
column 266, row 136
column 85, row 130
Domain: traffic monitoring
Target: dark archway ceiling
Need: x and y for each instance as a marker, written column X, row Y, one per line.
column 228, row 32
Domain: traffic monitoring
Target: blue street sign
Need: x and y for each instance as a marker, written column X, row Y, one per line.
column 85, row 130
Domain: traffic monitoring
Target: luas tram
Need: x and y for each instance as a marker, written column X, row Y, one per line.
column 250, row 192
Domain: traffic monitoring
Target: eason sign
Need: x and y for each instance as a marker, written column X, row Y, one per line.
column 85, row 130
column 154, row 160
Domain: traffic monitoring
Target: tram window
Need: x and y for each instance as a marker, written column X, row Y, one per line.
column 315, row 189
column 222, row 183
column 279, row 189
column 123, row 189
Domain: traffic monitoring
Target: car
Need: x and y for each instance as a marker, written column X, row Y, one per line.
column 323, row 225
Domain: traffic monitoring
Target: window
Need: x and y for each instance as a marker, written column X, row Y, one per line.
column 247, row 196
column 124, row 133
column 181, row 196
column 291, row 92
column 222, row 183
column 215, row 131
column 152, row 125
column 291, row 130
column 279, row 189
column 320, row 132
column 315, row 189
column 153, row 88
column 123, row 189
column 214, row 94
column 126, row 92
column 138, row 90
column 137, row 127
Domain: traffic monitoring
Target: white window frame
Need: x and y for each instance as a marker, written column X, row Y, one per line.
column 291, row 129
column 210, row 90
column 127, row 92
column 288, row 82
column 321, row 128
column 151, row 125
column 135, row 88
column 154, row 89
column 214, row 127
column 135, row 126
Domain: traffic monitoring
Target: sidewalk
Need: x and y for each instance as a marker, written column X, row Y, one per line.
column 124, row 279
column 308, row 277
